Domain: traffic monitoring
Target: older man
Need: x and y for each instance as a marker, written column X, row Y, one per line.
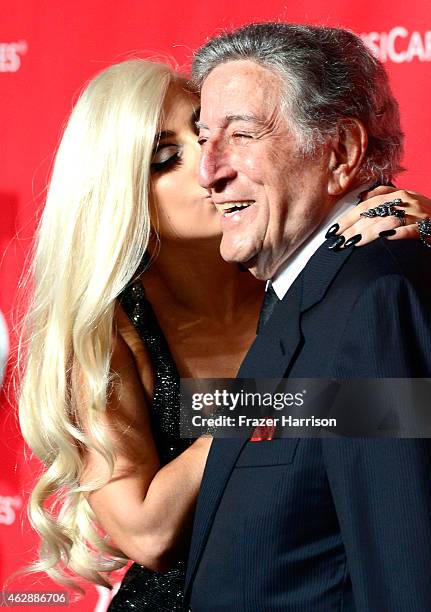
column 295, row 122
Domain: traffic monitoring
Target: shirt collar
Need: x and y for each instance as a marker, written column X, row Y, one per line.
column 290, row 270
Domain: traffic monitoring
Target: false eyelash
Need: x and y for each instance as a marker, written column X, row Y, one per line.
column 171, row 162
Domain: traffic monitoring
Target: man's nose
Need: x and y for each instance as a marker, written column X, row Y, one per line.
column 215, row 168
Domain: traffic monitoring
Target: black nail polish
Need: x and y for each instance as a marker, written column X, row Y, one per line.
column 337, row 243
column 332, row 231
column 389, row 232
column 352, row 241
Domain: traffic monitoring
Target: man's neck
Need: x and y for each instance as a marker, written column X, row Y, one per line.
column 293, row 266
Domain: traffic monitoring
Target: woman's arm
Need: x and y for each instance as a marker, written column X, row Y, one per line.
column 146, row 510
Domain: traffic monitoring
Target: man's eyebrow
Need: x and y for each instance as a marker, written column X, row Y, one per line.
column 231, row 118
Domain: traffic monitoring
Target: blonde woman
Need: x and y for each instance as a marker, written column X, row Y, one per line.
column 130, row 293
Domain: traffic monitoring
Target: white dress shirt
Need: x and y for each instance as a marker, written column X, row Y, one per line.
column 290, row 270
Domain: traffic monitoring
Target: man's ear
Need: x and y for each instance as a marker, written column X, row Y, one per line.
column 347, row 150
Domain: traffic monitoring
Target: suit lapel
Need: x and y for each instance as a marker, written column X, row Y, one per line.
column 276, row 347
column 270, row 356
column 319, row 273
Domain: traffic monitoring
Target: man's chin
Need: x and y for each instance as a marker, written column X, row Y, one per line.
column 236, row 256
column 252, row 264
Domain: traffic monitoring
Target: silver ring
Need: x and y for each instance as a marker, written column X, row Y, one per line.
column 385, row 210
column 424, row 227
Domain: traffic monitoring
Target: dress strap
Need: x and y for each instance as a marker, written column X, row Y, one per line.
column 165, row 412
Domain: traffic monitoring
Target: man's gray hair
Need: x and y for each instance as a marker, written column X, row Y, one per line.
column 329, row 74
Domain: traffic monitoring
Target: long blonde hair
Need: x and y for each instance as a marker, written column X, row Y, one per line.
column 91, row 239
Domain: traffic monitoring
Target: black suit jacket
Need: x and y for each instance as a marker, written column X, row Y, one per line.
column 310, row 525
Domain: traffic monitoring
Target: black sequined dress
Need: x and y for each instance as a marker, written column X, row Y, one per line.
column 141, row 588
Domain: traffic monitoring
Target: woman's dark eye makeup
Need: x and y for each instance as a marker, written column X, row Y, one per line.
column 166, row 156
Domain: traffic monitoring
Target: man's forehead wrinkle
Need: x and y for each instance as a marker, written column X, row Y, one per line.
column 228, row 119
column 240, row 91
column 248, row 118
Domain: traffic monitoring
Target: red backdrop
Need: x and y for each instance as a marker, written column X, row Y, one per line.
column 48, row 49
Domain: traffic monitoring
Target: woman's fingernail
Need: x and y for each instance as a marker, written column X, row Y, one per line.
column 337, row 243
column 353, row 240
column 332, row 231
column 363, row 194
column 390, row 232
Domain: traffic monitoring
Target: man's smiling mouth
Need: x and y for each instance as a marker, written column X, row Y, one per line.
column 232, row 208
